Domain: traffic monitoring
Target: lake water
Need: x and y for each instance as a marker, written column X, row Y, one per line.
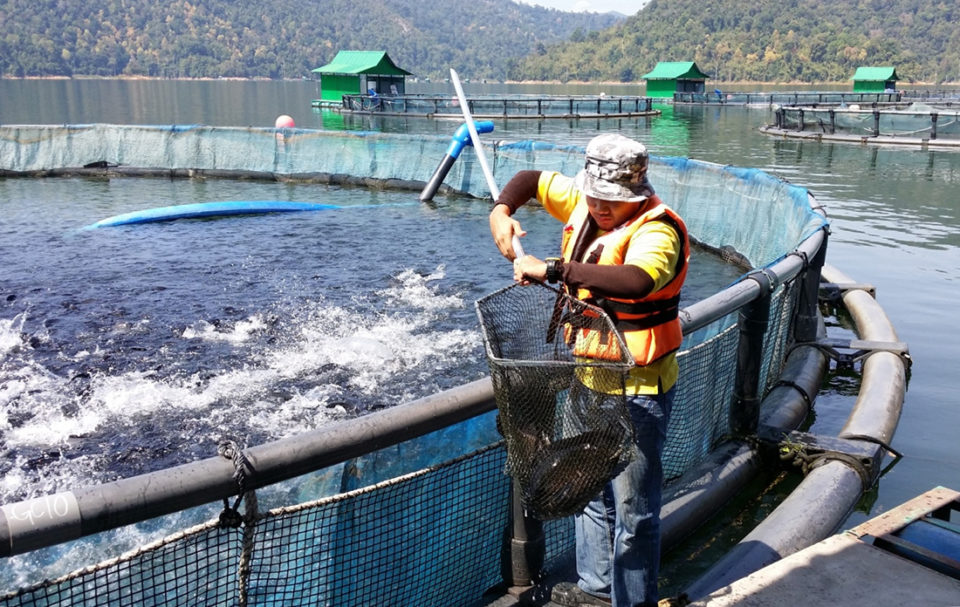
column 276, row 310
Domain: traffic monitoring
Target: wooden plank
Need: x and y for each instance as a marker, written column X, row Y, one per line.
column 906, row 513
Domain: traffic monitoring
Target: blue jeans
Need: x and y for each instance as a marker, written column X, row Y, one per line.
column 618, row 533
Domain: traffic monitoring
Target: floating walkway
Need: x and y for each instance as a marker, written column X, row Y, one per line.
column 533, row 107
column 909, row 555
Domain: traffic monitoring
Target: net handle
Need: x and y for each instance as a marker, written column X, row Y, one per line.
column 481, row 156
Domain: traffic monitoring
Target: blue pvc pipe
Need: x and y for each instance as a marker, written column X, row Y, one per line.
column 461, row 138
column 208, row 209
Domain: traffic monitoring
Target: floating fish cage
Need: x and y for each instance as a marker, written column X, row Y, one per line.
column 914, row 123
column 411, row 505
column 784, row 98
column 500, row 106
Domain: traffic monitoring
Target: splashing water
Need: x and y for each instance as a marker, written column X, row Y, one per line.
column 321, row 362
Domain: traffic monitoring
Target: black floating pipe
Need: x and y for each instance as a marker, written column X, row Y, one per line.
column 461, row 138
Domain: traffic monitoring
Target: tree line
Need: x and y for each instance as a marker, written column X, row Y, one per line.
column 280, row 39
column 732, row 40
column 766, row 41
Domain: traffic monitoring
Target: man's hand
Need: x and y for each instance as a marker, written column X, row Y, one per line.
column 528, row 268
column 503, row 227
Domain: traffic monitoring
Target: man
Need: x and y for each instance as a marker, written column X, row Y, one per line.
column 626, row 251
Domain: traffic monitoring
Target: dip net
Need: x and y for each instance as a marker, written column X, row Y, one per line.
column 558, row 367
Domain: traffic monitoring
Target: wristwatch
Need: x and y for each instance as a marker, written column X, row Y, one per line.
column 554, row 269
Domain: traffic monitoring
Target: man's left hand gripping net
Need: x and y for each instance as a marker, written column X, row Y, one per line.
column 558, row 367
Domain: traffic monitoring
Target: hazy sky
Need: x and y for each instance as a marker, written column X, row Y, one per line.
column 627, row 7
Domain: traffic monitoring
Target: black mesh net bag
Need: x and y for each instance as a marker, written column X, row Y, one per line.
column 558, row 367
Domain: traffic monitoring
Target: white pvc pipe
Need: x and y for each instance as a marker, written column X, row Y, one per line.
column 494, row 190
column 487, row 173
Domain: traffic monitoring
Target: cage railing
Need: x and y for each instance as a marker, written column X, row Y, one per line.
column 793, row 98
column 515, row 106
column 927, row 122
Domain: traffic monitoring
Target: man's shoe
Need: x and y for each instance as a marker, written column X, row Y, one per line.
column 570, row 594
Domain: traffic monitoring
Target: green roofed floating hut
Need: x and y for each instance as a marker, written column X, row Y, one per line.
column 359, row 72
column 670, row 77
column 874, row 79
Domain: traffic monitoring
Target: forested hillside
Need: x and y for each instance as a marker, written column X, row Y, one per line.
column 732, row 40
column 767, row 41
column 276, row 39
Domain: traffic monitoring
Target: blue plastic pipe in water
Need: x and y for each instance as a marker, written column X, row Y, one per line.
column 460, row 139
column 208, row 209
column 226, row 208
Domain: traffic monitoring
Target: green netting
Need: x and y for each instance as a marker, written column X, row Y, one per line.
column 429, row 538
column 776, row 343
column 423, row 539
column 701, row 409
column 240, row 151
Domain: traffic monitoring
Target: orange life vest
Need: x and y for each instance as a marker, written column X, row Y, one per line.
column 649, row 325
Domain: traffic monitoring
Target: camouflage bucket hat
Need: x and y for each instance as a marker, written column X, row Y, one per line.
column 615, row 169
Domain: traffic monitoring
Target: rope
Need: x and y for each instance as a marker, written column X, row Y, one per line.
column 231, row 517
column 866, row 479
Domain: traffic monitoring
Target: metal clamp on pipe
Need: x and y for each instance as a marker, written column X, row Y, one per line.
column 766, row 278
column 802, row 255
column 861, row 349
column 832, row 292
column 810, row 451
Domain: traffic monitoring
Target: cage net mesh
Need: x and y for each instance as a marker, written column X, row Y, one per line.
column 432, row 537
column 558, row 367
